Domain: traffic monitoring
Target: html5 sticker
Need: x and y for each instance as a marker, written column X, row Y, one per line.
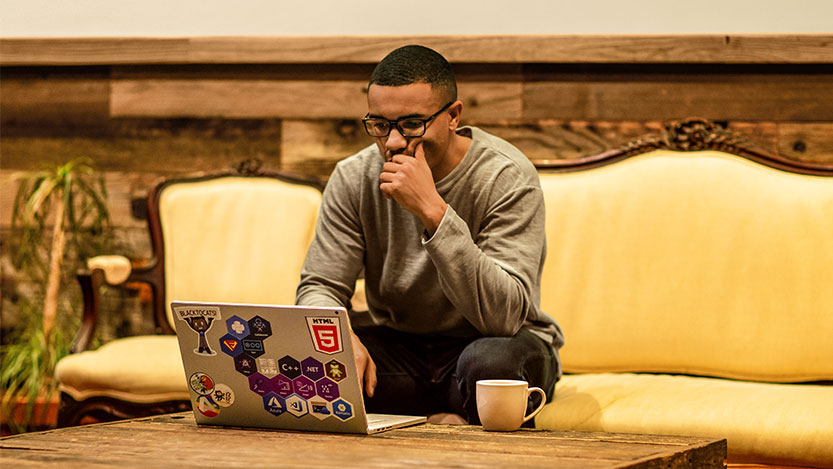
column 325, row 333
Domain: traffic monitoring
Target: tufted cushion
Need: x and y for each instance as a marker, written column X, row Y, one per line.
column 700, row 263
column 141, row 369
column 762, row 422
column 236, row 239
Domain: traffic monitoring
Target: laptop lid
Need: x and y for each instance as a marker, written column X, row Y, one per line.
column 268, row 366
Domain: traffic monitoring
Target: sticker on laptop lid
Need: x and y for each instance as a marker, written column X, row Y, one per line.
column 206, row 406
column 326, row 334
column 223, row 395
column 201, row 383
column 199, row 319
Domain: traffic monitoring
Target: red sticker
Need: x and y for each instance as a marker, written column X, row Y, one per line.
column 326, row 334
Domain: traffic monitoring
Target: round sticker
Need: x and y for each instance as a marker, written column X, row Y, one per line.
column 206, row 406
column 201, row 383
column 223, row 395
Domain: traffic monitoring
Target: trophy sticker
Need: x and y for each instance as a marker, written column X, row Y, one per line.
column 199, row 319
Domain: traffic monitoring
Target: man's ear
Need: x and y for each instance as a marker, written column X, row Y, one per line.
column 455, row 111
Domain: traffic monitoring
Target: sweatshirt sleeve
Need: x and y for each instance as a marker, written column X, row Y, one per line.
column 335, row 257
column 491, row 276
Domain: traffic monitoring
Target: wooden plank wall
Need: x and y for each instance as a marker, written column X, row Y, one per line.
column 142, row 108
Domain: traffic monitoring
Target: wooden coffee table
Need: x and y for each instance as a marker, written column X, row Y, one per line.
column 176, row 441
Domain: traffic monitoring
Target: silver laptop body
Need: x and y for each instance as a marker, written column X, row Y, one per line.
column 267, row 366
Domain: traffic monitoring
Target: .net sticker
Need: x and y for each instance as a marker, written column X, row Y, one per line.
column 325, row 333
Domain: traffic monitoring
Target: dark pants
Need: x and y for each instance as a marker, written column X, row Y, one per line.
column 428, row 374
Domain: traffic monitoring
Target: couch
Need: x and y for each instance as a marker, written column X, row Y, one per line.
column 692, row 275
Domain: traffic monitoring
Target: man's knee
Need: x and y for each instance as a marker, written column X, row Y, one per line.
column 524, row 356
column 490, row 358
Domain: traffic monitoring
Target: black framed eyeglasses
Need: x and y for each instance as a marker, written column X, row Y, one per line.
column 407, row 126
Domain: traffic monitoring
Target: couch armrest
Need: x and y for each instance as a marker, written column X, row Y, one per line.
column 116, row 269
column 104, row 270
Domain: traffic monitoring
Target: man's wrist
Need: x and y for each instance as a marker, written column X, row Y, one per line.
column 433, row 217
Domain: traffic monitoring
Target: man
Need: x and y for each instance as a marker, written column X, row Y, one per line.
column 447, row 225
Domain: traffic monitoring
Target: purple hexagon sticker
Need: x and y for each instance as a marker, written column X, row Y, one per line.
column 260, row 384
column 304, row 387
column 312, row 369
column 327, row 389
column 282, row 385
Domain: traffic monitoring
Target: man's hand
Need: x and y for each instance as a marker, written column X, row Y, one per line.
column 364, row 366
column 409, row 181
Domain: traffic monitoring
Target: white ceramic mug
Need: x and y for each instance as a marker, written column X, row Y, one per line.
column 501, row 403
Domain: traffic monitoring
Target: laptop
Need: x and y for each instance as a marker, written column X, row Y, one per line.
column 268, row 366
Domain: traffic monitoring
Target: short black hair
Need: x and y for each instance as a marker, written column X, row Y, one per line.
column 416, row 64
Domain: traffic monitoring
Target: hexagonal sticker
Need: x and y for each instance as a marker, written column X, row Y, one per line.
column 268, row 367
column 296, row 405
column 320, row 409
column 289, row 367
column 259, row 328
column 231, row 345
column 245, row 364
column 335, row 370
column 274, row 404
column 327, row 389
column 342, row 409
column 312, row 369
column 282, row 385
column 253, row 347
column 303, row 387
column 259, row 384
column 237, row 326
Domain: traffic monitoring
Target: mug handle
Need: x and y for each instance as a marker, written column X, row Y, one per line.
column 541, row 406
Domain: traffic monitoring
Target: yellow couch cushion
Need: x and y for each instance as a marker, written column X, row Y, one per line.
column 236, row 239
column 142, row 369
column 762, row 422
column 698, row 263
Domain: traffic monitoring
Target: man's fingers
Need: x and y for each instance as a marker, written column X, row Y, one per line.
column 365, row 367
column 370, row 377
column 419, row 153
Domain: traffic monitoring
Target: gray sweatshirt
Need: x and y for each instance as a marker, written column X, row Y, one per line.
column 479, row 274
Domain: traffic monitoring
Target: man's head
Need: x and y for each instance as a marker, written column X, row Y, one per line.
column 416, row 64
column 412, row 90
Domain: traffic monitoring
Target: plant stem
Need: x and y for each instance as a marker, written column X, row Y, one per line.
column 53, row 285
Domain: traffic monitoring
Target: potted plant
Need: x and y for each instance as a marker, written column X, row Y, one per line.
column 60, row 217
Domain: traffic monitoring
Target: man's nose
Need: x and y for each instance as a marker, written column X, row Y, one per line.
column 395, row 141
